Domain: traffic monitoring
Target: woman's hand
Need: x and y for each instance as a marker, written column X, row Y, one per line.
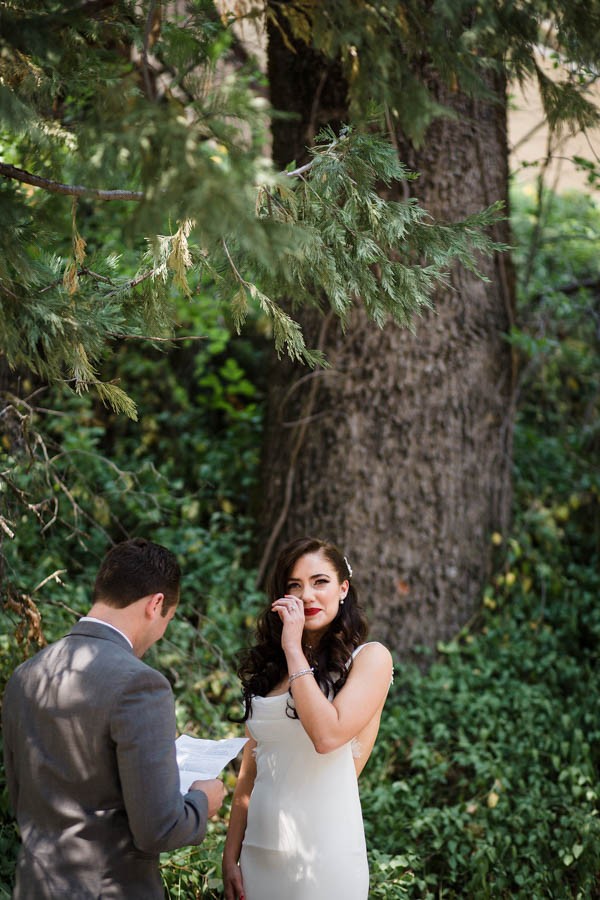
column 232, row 881
column 290, row 610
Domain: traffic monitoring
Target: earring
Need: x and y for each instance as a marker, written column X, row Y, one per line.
column 341, row 601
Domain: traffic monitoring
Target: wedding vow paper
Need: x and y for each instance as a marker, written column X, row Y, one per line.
column 202, row 759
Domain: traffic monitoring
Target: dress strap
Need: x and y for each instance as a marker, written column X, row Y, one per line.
column 355, row 653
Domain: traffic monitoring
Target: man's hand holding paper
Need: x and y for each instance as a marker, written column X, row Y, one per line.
column 214, row 790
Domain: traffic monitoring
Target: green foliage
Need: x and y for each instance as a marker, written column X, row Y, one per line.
column 182, row 475
column 491, row 761
column 122, row 97
column 93, row 476
column 369, row 247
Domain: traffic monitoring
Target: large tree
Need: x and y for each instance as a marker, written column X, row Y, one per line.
column 401, row 451
column 132, row 169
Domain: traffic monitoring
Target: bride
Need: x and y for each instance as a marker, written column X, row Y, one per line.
column 314, row 693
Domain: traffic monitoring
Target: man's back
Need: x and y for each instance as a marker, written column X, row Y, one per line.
column 96, row 789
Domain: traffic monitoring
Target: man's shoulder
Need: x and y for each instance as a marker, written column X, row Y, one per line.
column 105, row 649
column 106, row 658
column 32, row 662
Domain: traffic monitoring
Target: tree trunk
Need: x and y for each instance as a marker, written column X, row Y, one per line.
column 401, row 452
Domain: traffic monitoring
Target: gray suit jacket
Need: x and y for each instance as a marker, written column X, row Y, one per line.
column 89, row 743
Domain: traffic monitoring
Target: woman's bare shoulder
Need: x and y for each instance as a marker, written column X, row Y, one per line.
column 375, row 656
column 374, row 650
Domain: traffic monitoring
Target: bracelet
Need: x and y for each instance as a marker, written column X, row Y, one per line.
column 300, row 674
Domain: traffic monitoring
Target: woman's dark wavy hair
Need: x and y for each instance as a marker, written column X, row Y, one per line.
column 263, row 666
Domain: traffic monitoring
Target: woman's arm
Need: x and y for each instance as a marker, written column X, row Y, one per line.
column 330, row 724
column 364, row 741
column 232, row 876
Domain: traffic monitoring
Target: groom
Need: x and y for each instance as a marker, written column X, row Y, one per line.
column 89, row 745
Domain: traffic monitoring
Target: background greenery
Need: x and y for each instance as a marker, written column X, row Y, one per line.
column 484, row 779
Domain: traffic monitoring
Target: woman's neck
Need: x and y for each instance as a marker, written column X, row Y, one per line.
column 311, row 649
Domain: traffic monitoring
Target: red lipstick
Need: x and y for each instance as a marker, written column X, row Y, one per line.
column 312, row 611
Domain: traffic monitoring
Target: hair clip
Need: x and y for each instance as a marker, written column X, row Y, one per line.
column 349, row 567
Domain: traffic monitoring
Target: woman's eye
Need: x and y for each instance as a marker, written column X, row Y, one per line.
column 321, row 581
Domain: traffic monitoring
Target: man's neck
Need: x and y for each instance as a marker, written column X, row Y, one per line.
column 124, row 620
column 90, row 618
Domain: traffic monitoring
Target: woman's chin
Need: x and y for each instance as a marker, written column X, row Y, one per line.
column 315, row 626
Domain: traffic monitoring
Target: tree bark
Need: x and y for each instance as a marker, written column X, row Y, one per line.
column 401, row 452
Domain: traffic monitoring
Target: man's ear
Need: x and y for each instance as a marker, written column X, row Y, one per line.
column 154, row 605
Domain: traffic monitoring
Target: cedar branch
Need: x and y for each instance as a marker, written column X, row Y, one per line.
column 73, row 190
column 79, row 190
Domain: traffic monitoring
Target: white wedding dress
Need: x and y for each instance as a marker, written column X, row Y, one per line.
column 304, row 838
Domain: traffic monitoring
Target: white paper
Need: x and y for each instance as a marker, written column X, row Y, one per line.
column 201, row 759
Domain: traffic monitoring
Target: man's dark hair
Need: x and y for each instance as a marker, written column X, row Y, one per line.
column 134, row 569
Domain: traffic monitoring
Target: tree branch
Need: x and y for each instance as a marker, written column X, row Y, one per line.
column 300, row 170
column 79, row 190
column 154, row 339
column 73, row 190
